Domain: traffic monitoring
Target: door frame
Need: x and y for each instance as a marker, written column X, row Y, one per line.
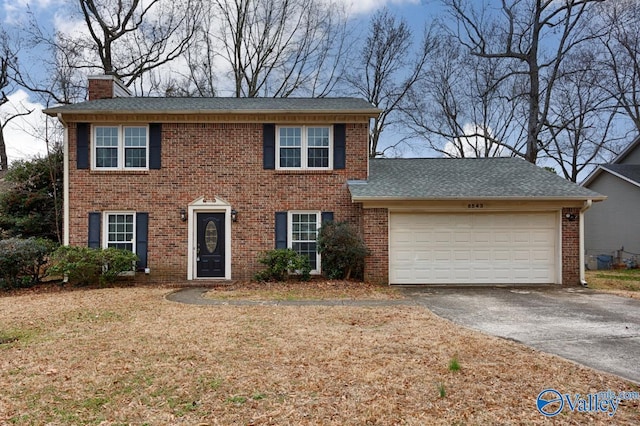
column 203, row 205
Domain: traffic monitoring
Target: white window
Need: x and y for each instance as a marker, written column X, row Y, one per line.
column 303, row 232
column 120, row 147
column 304, row 147
column 120, row 231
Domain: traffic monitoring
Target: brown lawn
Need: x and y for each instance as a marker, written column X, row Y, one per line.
column 128, row 356
column 624, row 282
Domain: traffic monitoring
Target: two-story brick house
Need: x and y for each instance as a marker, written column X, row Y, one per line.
column 199, row 187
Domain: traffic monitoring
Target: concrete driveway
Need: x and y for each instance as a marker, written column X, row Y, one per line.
column 601, row 331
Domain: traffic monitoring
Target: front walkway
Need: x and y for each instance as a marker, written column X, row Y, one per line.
column 194, row 296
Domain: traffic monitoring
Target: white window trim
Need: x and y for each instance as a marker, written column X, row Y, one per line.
column 304, row 147
column 105, row 228
column 318, row 214
column 121, row 148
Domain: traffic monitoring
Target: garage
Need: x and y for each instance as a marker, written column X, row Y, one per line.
column 471, row 221
column 473, row 248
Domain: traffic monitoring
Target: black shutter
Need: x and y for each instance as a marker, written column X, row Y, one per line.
column 327, row 217
column 82, row 145
column 142, row 236
column 269, row 146
column 155, row 146
column 94, row 229
column 339, row 146
column 281, row 230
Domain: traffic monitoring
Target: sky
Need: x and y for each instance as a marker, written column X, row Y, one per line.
column 50, row 13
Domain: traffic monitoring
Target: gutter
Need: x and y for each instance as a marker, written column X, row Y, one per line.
column 65, row 199
column 585, row 207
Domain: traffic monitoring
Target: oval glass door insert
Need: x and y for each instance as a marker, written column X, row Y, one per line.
column 211, row 236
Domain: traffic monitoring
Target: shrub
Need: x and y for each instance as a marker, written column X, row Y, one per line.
column 282, row 262
column 84, row 265
column 342, row 249
column 24, row 262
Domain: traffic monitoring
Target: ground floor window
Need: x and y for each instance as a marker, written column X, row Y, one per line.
column 303, row 232
column 120, row 231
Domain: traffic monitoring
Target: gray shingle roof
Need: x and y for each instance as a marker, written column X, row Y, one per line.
column 628, row 171
column 217, row 105
column 465, row 178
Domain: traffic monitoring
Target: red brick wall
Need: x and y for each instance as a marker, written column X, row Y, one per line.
column 223, row 160
column 376, row 237
column 570, row 247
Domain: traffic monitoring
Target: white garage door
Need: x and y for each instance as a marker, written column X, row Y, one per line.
column 478, row 248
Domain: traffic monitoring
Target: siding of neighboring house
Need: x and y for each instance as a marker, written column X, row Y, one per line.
column 614, row 223
column 214, row 159
column 632, row 157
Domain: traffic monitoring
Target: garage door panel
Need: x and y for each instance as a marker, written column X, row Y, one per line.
column 482, row 248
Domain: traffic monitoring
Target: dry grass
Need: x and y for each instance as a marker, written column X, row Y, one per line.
column 313, row 290
column 625, row 282
column 128, row 356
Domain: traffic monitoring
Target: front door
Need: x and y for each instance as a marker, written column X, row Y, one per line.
column 210, row 255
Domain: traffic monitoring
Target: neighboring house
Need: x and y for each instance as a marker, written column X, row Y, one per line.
column 612, row 228
column 200, row 187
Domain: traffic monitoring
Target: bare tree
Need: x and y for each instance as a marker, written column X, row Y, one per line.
column 460, row 109
column 387, row 69
column 280, row 47
column 582, row 117
column 8, row 63
column 618, row 31
column 514, row 33
column 130, row 38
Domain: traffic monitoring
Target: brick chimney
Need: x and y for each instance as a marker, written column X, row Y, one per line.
column 106, row 86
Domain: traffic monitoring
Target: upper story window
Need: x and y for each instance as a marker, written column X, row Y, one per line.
column 121, row 147
column 304, row 147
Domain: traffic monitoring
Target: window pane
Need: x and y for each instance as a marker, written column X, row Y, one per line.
column 106, row 157
column 120, row 231
column 107, row 137
column 135, row 157
column 318, row 136
column 135, row 136
column 318, row 157
column 290, row 136
column 290, row 157
column 309, row 250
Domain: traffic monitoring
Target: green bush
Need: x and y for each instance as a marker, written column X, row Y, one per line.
column 282, row 262
column 84, row 265
column 342, row 249
column 24, row 262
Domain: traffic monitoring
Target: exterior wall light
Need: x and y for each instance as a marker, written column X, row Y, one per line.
column 234, row 215
column 183, row 215
column 570, row 217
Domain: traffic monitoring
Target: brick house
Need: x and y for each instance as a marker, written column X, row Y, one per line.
column 199, row 187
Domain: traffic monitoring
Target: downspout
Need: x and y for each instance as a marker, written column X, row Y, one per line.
column 65, row 201
column 585, row 207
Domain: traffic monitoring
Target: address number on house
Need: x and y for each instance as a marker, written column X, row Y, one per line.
column 475, row 206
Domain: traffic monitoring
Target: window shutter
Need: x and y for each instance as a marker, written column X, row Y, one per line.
column 339, row 146
column 326, row 217
column 269, row 146
column 281, row 230
column 94, row 229
column 155, row 146
column 82, row 145
column 142, row 235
